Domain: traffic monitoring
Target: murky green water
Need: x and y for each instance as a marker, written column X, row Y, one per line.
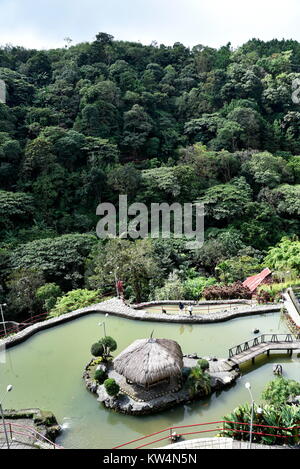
column 197, row 309
column 46, row 372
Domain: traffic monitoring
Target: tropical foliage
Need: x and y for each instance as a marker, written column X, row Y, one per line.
column 277, row 392
column 162, row 124
column 275, row 413
column 198, row 381
column 75, row 299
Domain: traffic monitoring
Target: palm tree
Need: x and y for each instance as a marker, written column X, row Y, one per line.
column 198, row 382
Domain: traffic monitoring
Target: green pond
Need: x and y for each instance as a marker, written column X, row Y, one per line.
column 46, row 372
column 197, row 309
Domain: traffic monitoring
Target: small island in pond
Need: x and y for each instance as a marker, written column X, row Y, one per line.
column 152, row 375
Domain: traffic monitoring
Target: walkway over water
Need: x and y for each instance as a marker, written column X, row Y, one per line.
column 263, row 344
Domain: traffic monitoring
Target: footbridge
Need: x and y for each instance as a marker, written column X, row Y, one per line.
column 264, row 344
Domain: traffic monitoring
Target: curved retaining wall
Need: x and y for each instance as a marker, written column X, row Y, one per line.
column 116, row 307
column 188, row 302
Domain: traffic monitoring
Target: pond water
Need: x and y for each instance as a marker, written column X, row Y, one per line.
column 46, row 372
column 197, row 309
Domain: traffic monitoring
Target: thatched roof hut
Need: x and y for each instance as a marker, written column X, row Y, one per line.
column 147, row 362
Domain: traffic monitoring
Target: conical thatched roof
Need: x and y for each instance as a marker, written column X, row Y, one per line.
column 147, row 361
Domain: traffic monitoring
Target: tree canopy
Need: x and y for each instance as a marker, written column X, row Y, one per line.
column 89, row 122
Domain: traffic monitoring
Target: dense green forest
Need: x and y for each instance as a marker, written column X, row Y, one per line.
column 85, row 123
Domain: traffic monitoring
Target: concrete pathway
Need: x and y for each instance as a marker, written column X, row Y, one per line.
column 218, row 443
column 117, row 307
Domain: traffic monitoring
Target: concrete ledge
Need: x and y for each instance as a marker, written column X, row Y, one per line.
column 187, row 302
column 118, row 308
column 219, row 443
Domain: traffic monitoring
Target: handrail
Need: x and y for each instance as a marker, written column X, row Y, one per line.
column 223, row 429
column 29, row 432
column 28, row 322
column 263, row 339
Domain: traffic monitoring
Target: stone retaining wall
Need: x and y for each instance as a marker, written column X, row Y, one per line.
column 44, row 422
column 222, row 375
column 187, row 302
column 116, row 307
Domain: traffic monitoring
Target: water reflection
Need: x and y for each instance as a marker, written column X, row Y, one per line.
column 46, row 372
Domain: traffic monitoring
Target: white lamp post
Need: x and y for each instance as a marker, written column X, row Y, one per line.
column 103, row 324
column 248, row 386
column 8, row 389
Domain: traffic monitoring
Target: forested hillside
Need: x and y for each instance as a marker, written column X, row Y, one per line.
column 86, row 123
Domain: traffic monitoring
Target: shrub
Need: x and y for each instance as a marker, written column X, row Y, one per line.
column 173, row 289
column 48, row 294
column 198, row 382
column 227, row 292
column 276, row 413
column 279, row 390
column 264, row 296
column 203, row 364
column 109, row 344
column 75, row 299
column 103, row 347
column 97, row 349
column 100, row 376
column 193, row 287
column 272, row 416
column 112, row 388
column 267, row 293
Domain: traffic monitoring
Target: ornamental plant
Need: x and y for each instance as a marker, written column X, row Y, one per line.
column 75, row 299
column 111, row 387
column 104, row 347
column 48, row 294
column 97, row 349
column 203, row 364
column 100, row 376
column 267, row 417
column 227, row 292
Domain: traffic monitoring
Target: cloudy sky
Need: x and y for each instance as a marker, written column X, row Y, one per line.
column 45, row 23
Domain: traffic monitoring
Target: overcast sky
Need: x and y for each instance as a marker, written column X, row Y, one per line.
column 45, row 23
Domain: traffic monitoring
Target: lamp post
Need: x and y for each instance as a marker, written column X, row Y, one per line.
column 103, row 324
column 248, row 386
column 8, row 389
column 2, row 316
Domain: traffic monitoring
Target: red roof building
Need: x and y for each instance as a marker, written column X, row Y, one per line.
column 256, row 280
